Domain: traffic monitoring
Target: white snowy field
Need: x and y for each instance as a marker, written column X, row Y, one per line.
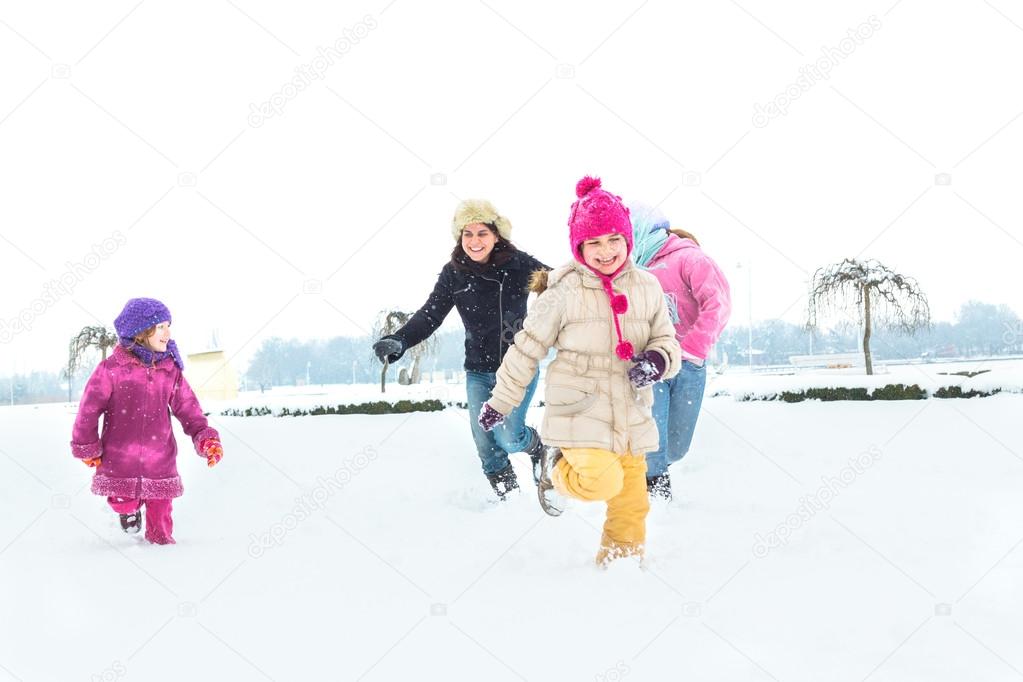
column 996, row 374
column 991, row 374
column 366, row 547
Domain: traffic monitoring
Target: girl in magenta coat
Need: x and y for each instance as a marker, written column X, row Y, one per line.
column 136, row 390
column 699, row 301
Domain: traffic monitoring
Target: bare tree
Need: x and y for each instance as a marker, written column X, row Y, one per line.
column 90, row 337
column 391, row 321
column 881, row 297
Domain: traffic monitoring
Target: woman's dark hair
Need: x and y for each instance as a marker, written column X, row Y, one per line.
column 501, row 254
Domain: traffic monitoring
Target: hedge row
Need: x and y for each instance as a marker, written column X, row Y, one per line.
column 378, row 407
column 888, row 392
column 957, row 392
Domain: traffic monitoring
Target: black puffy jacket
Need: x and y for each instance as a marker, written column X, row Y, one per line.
column 491, row 300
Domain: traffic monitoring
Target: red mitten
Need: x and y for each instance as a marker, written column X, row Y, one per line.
column 213, row 451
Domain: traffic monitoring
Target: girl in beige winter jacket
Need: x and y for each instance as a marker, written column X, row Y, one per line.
column 614, row 338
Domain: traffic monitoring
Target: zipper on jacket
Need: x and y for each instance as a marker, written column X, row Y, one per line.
column 500, row 320
column 145, row 409
column 500, row 312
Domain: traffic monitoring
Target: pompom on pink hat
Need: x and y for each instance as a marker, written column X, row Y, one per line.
column 597, row 212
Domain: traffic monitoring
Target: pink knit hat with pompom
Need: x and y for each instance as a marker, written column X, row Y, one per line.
column 596, row 213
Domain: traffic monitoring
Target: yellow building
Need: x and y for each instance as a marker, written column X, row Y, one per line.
column 211, row 376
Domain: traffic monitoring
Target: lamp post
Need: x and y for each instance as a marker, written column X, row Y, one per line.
column 749, row 310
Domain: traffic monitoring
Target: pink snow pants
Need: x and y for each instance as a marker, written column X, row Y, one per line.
column 159, row 524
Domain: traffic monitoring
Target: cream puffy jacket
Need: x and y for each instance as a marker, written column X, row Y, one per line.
column 590, row 402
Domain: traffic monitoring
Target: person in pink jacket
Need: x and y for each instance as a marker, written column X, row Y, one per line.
column 136, row 390
column 699, row 302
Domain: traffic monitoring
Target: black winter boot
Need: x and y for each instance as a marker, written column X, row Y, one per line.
column 132, row 523
column 503, row 481
column 659, row 486
column 535, row 451
column 550, row 500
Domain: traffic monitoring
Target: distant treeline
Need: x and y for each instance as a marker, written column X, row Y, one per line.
column 979, row 329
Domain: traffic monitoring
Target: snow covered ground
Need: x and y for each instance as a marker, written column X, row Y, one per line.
column 333, row 394
column 811, row 541
column 995, row 374
column 1001, row 374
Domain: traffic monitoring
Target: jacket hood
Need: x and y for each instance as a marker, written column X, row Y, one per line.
column 674, row 243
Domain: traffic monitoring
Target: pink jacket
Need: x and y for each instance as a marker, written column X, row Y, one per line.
column 699, row 291
column 137, row 445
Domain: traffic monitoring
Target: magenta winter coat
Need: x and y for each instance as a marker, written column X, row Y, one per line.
column 137, row 444
column 699, row 290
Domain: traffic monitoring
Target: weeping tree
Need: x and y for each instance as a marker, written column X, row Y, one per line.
column 391, row 321
column 881, row 297
column 90, row 337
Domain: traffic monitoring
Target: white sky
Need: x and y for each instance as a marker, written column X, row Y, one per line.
column 108, row 113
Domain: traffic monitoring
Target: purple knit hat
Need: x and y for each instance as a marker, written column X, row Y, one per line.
column 598, row 212
column 140, row 314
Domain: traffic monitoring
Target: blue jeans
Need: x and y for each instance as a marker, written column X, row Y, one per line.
column 676, row 406
column 511, row 435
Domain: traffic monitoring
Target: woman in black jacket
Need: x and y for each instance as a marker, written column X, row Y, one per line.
column 487, row 280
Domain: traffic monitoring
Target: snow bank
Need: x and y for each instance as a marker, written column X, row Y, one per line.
column 369, row 548
column 1004, row 376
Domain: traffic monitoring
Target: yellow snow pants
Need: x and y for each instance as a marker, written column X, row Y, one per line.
column 592, row 474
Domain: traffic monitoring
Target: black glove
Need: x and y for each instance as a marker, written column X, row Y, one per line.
column 391, row 349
